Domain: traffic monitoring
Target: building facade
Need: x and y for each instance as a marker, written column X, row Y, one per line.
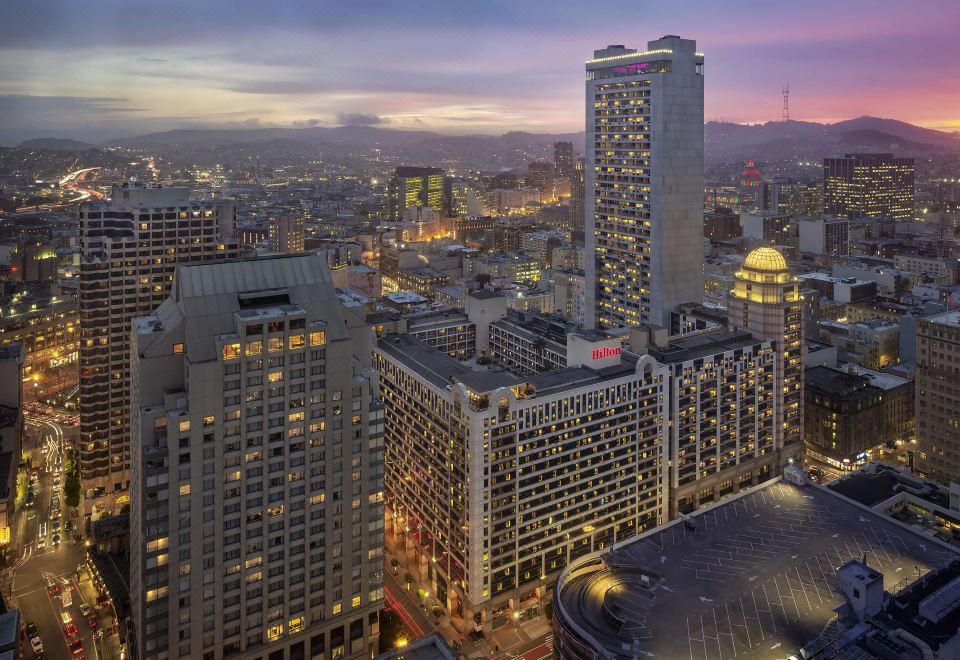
column 415, row 186
column 644, row 181
column 257, row 514
column 286, row 234
column 765, row 301
column 938, row 397
column 130, row 247
column 495, row 482
column 868, row 186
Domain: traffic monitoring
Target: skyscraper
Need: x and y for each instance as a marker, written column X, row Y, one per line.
column 257, row 469
column 563, row 160
column 540, row 176
column 644, row 181
column 765, row 302
column 868, row 186
column 130, row 247
column 937, row 455
column 415, row 186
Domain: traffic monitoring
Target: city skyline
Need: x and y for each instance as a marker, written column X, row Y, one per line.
column 96, row 73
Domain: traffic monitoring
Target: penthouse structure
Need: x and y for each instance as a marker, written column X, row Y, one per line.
column 257, row 497
column 496, row 482
column 130, row 246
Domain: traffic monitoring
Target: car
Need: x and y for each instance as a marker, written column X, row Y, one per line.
column 36, row 645
column 85, row 609
column 41, row 542
column 32, row 630
column 91, row 622
column 56, row 480
column 68, row 525
column 70, row 630
column 53, row 588
column 55, row 502
column 66, row 617
column 76, row 646
column 56, row 538
column 44, row 449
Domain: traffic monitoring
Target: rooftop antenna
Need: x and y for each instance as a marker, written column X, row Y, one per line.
column 785, row 116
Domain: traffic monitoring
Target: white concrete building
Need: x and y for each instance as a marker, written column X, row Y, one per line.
column 644, row 182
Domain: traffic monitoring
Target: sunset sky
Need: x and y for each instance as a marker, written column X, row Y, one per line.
column 96, row 70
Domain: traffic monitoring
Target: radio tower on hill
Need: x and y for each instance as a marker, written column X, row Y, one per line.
column 786, row 103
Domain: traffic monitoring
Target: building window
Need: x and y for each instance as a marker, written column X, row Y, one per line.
column 274, row 632
column 178, row 349
column 185, row 426
column 231, row 351
column 254, row 347
column 318, row 338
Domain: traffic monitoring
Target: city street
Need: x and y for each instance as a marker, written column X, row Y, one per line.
column 51, row 566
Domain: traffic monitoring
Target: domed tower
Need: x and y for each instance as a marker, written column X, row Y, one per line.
column 765, row 301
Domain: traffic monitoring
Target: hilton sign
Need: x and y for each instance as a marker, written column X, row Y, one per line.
column 605, row 352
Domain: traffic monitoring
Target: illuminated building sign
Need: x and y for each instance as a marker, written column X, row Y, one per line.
column 631, row 69
column 605, row 352
column 69, row 358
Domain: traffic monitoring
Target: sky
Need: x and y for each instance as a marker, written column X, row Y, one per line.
column 102, row 69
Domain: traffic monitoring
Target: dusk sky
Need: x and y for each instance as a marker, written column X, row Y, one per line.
column 101, row 69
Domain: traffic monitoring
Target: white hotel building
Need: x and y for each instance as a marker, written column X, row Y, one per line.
column 496, row 482
column 644, row 182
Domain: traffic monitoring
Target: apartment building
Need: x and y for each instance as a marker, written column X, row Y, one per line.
column 938, row 397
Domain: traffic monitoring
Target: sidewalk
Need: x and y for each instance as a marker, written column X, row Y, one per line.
column 109, row 645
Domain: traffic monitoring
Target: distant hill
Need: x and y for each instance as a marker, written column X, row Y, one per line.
column 56, row 144
column 725, row 141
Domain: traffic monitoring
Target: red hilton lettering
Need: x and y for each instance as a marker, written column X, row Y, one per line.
column 605, row 352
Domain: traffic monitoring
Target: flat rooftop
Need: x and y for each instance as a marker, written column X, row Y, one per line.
column 703, row 344
column 752, row 576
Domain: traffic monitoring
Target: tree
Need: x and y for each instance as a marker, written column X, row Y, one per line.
column 408, row 579
column 394, row 563
column 71, row 484
column 437, row 612
column 548, row 610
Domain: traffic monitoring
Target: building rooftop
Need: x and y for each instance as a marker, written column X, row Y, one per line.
column 702, row 344
column 751, row 575
column 431, row 647
column 765, row 259
column 946, row 318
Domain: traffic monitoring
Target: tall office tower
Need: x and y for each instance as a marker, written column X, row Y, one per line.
column 286, row 233
column 130, row 247
column 415, row 186
column 868, row 186
column 577, row 209
column 496, row 482
column 465, row 200
column 563, row 160
column 790, row 197
column 256, row 504
column 765, row 301
column 540, row 177
column 644, row 182
column 937, row 453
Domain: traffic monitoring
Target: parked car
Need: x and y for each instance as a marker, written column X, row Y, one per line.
column 36, row 645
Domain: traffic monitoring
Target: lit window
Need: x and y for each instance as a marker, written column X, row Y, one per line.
column 178, row 349
column 232, row 351
column 355, row 602
column 275, row 376
column 254, row 347
column 274, row 632
column 185, row 489
column 208, row 421
column 185, row 425
column 318, row 338
column 295, row 625
column 296, row 341
column 337, row 608
column 275, row 344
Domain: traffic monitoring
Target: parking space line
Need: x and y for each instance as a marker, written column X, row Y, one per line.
column 756, row 609
column 746, row 626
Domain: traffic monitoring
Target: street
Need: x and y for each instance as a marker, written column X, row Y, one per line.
column 51, row 568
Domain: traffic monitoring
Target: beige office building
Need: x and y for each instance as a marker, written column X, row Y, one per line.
column 257, row 497
column 130, row 247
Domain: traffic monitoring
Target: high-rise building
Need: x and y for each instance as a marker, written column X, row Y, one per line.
column 790, row 197
column 868, row 186
column 644, row 182
column 765, row 301
column 257, row 496
column 130, row 246
column 540, row 177
column 577, row 208
column 937, row 453
column 563, row 160
column 496, row 482
column 415, row 186
column 286, row 234
column 824, row 235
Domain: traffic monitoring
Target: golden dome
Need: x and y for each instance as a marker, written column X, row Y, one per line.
column 765, row 259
